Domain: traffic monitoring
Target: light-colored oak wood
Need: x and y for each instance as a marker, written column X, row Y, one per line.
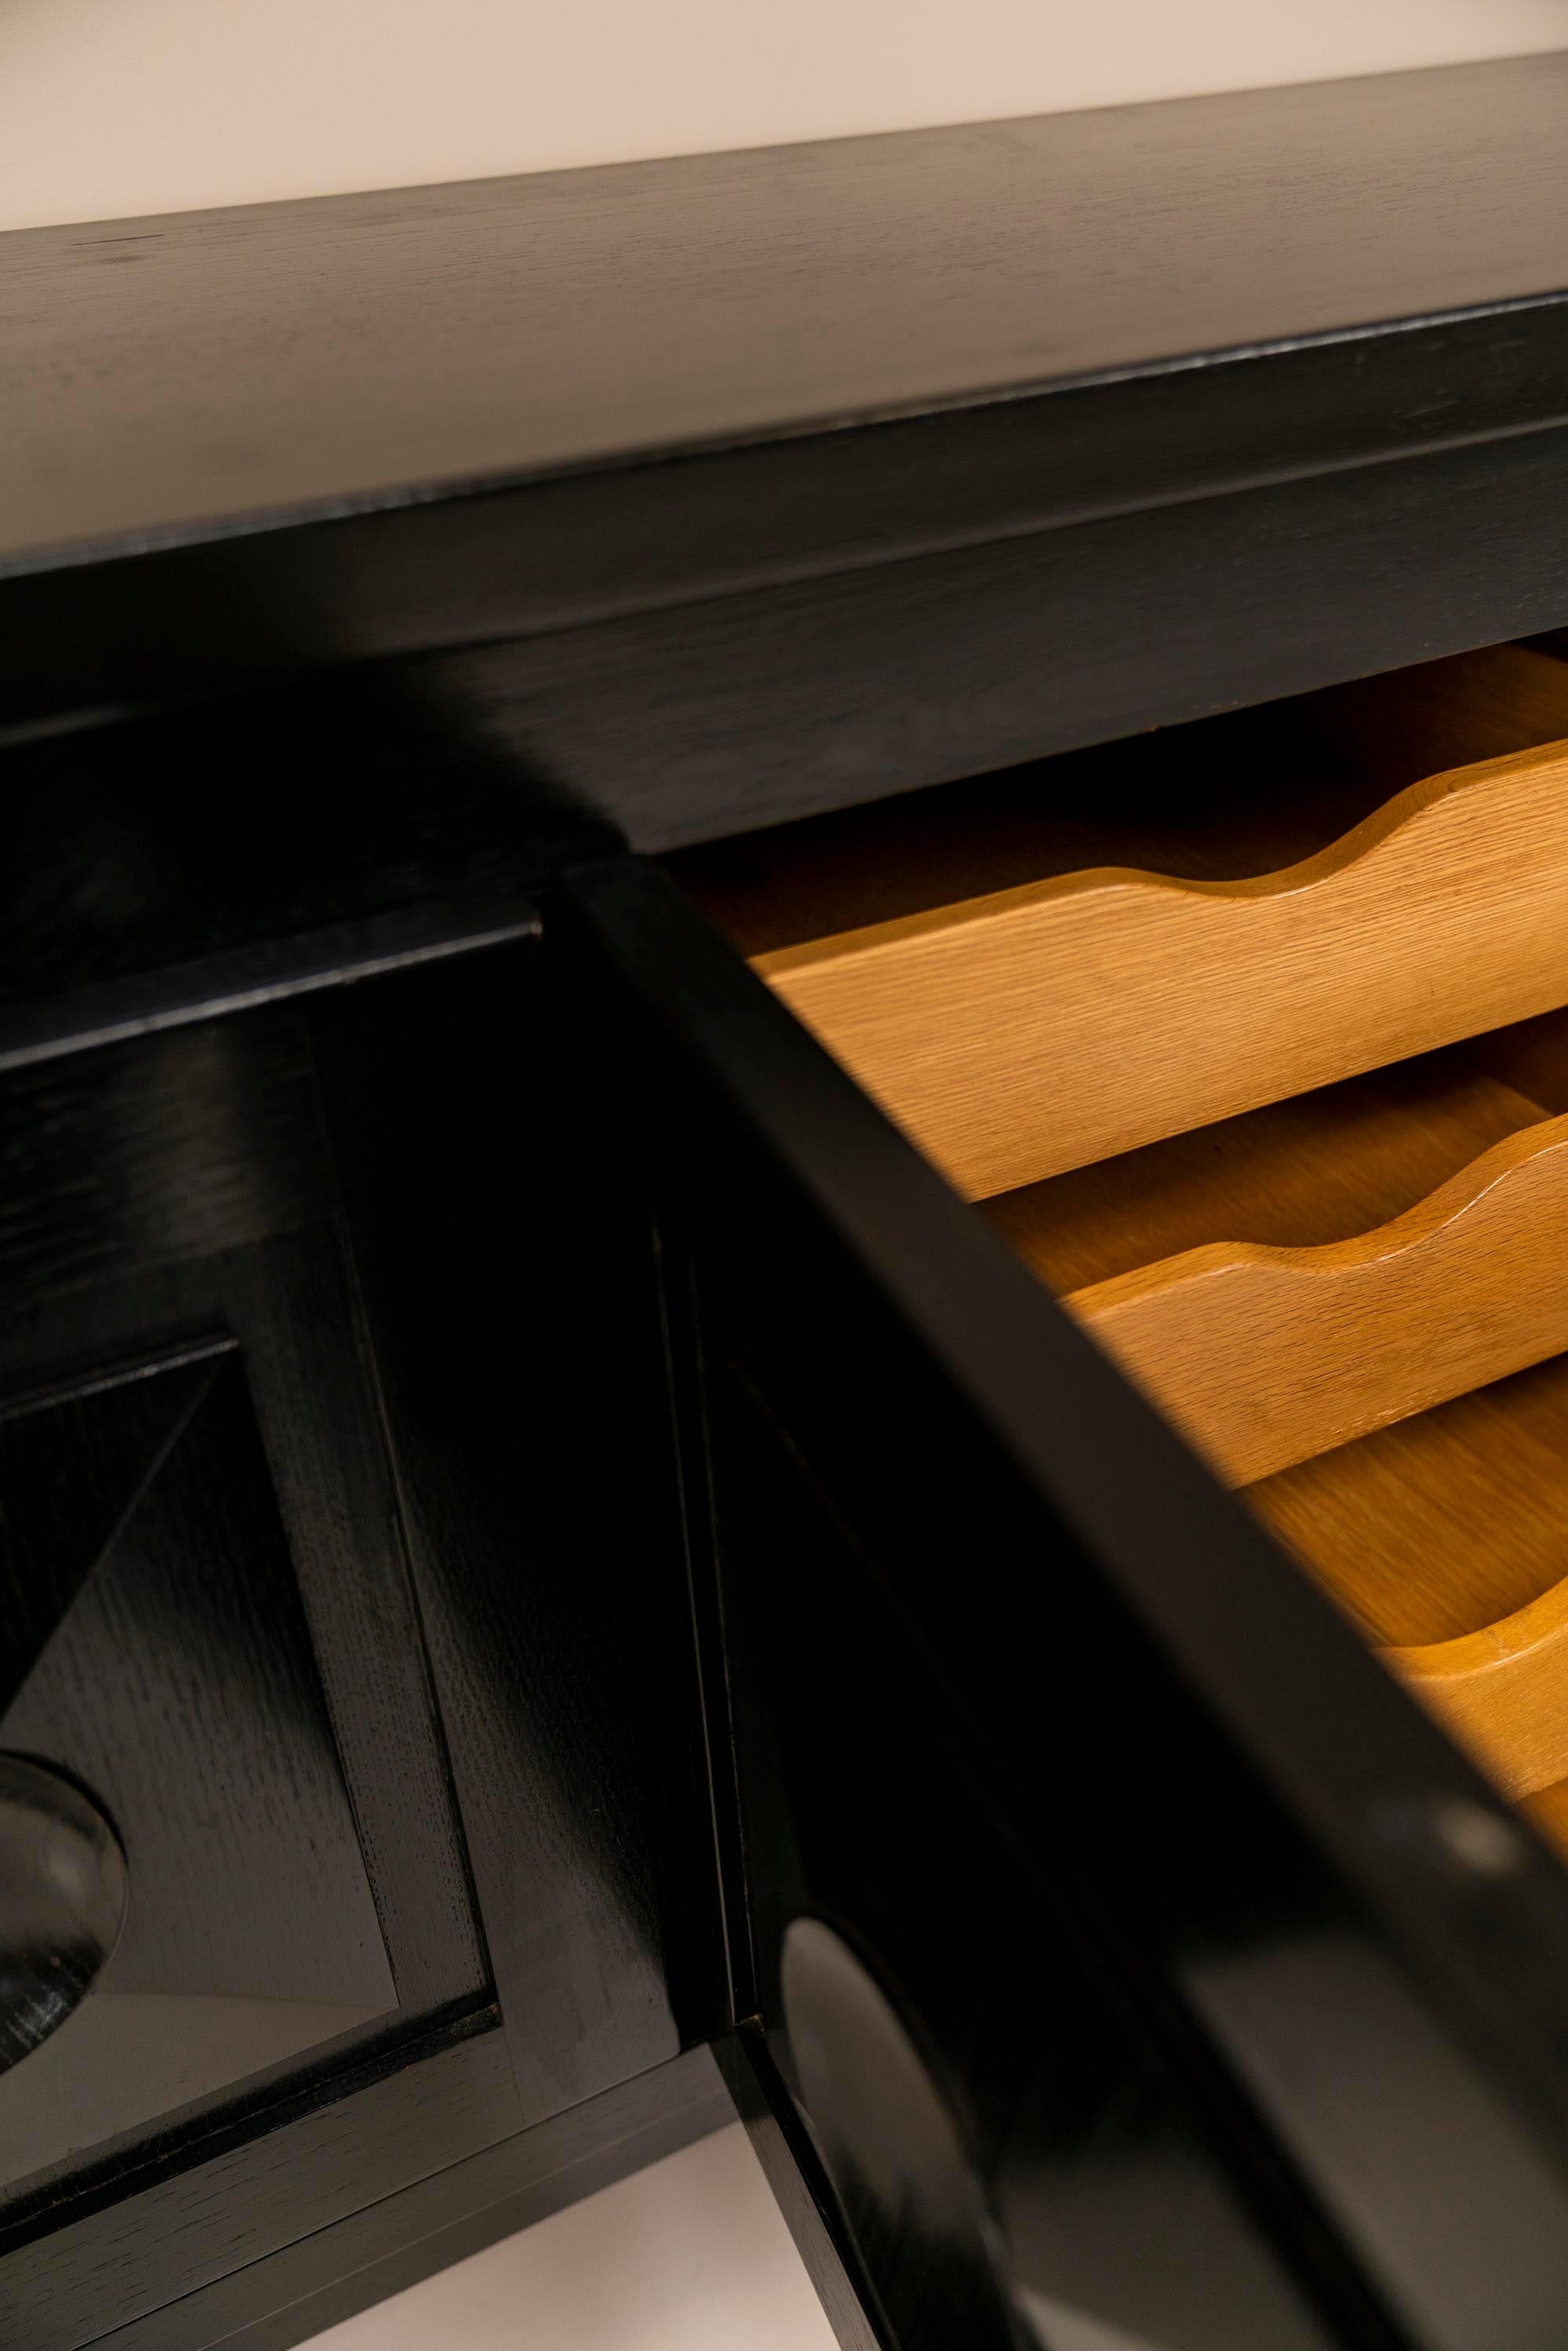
column 1185, row 801
column 1532, row 1057
column 1445, row 1539
column 1317, row 1167
column 1057, row 1023
column 1446, row 1536
column 1024, row 1018
column 1266, row 1356
column 1443, row 1524
column 1502, row 1693
column 1548, row 1811
column 1442, row 714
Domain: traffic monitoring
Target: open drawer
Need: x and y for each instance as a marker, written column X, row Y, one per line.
column 1079, row 1855
column 1128, row 1050
column 1088, row 955
column 1354, row 1304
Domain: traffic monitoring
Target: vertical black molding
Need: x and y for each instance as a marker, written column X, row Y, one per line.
column 510, row 1298
column 794, row 2171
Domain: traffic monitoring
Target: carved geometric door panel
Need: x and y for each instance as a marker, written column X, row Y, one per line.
column 205, row 1618
column 250, row 1931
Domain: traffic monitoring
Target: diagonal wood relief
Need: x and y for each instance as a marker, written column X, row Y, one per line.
column 72, row 1466
column 172, row 1674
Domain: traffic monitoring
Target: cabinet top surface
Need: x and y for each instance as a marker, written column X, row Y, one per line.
column 176, row 377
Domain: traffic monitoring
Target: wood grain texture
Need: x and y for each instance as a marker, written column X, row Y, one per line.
column 1442, row 1524
column 1410, row 722
column 1532, row 1057
column 1266, row 1356
column 343, row 2266
column 1547, row 1811
column 554, row 1638
column 242, row 1670
column 1502, row 1692
column 182, row 1687
column 1184, row 802
column 1052, row 1024
column 958, row 1554
column 690, row 721
column 894, row 1342
column 250, row 2190
column 781, row 618
column 1314, row 1169
column 503, row 328
column 182, row 1183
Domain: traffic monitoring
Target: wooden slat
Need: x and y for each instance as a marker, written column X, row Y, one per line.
column 1183, row 802
column 1317, row 1167
column 1408, row 723
column 1051, row 1024
column 1548, row 1811
column 1502, row 1693
column 1441, row 1523
column 1445, row 1537
column 1532, row 1057
column 1266, row 1356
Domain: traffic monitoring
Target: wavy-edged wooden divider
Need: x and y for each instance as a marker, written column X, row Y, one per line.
column 1502, row 1693
column 1043, row 1026
column 1265, row 1356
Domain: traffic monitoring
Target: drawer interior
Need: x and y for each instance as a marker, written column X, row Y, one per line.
column 1040, row 972
column 1350, row 1290
column 1226, row 798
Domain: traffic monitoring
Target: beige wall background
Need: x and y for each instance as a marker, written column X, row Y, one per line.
column 110, row 108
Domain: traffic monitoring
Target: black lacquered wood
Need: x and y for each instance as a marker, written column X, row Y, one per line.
column 904, row 2177
column 62, row 1902
column 171, row 1200
column 534, row 324
column 369, row 559
column 782, row 480
column 211, row 1616
column 441, row 2217
column 966, row 1576
column 545, row 1638
column 336, row 2143
column 239, row 1183
column 793, row 2165
column 359, row 825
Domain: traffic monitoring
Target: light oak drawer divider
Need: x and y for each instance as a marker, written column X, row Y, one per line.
column 1266, row 1356
column 1043, row 1026
column 1502, row 1693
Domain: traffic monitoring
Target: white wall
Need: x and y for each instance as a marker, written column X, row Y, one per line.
column 110, row 108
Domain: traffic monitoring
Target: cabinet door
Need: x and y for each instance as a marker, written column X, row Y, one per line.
column 208, row 1630
column 1116, row 1957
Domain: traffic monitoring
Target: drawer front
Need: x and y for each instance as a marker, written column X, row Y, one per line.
column 1002, row 1668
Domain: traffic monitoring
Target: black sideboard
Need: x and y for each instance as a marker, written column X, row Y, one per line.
column 593, row 1593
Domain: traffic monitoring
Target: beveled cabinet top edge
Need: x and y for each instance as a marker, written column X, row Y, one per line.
column 189, row 376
